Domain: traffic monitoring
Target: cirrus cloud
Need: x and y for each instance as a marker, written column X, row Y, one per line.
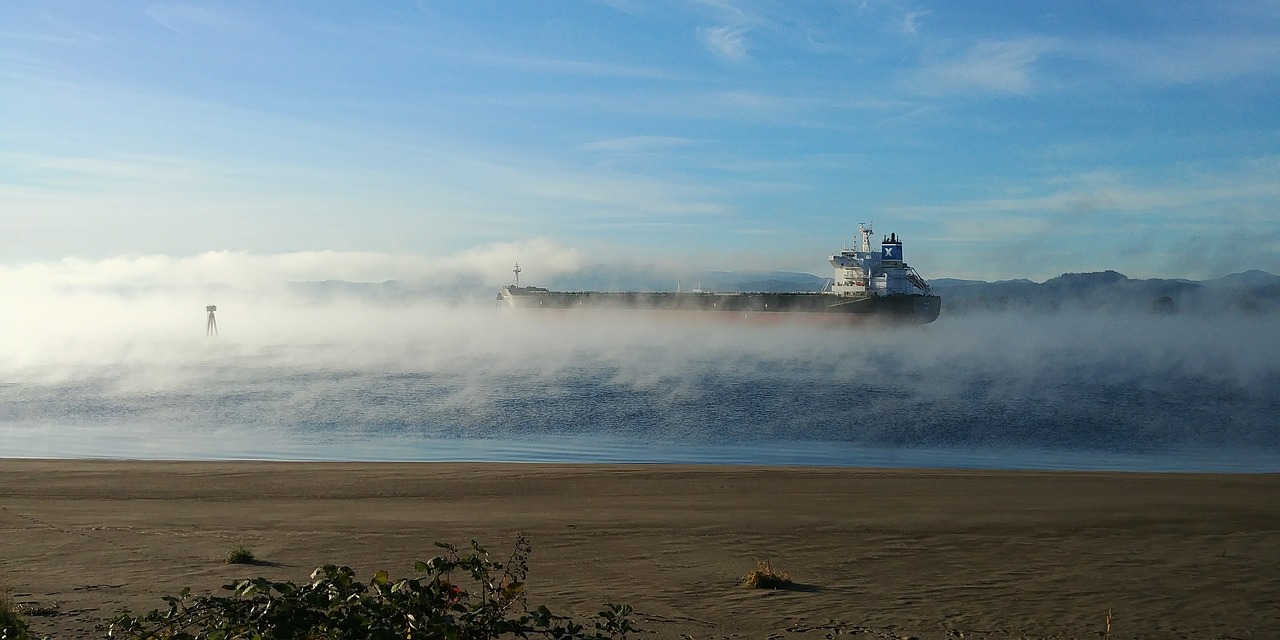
column 996, row 67
column 726, row 42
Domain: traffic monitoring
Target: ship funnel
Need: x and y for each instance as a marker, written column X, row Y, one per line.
column 891, row 249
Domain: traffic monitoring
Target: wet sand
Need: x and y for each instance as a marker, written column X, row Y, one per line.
column 875, row 554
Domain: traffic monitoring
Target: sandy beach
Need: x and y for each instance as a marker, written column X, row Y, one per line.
column 892, row 554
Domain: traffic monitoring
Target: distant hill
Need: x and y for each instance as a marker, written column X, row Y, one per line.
column 944, row 283
column 1250, row 278
column 1253, row 291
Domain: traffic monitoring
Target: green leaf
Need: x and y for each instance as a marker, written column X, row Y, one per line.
column 335, row 605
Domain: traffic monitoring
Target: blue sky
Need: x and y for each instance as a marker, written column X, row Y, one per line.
column 378, row 140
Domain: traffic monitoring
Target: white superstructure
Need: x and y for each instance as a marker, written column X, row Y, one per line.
column 863, row 273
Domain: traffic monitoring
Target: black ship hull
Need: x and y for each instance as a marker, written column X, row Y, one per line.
column 900, row 309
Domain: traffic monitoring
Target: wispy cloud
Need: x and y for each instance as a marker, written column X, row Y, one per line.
column 603, row 196
column 112, row 168
column 574, row 67
column 630, row 7
column 188, row 19
column 911, row 20
column 726, row 42
column 1000, row 67
column 636, row 144
column 730, row 11
column 1102, row 191
column 43, row 38
column 1183, row 60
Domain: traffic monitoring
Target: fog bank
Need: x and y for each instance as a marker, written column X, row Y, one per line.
column 287, row 367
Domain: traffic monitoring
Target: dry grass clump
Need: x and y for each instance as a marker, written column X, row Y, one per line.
column 240, row 554
column 41, row 610
column 765, row 577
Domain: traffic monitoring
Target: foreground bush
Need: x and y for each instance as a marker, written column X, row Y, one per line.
column 334, row 605
column 12, row 626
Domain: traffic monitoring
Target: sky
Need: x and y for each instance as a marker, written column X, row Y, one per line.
column 163, row 142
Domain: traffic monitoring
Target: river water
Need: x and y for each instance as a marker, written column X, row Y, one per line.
column 361, row 381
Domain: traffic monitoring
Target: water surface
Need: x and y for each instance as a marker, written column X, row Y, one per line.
column 433, row 382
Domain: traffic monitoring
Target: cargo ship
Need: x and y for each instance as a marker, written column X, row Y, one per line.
column 869, row 285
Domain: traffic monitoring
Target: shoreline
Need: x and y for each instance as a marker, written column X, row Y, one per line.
column 891, row 552
column 784, row 454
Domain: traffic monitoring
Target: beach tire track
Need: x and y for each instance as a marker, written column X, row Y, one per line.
column 83, row 532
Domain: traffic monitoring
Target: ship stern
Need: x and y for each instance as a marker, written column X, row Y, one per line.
column 926, row 308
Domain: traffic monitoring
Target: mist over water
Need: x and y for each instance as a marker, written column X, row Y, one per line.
column 133, row 376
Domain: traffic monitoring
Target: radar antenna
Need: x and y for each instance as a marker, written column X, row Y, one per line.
column 865, row 231
column 211, row 327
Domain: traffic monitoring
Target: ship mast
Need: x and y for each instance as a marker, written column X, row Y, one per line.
column 866, row 232
column 517, row 272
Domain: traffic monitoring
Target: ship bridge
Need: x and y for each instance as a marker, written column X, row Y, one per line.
column 864, row 272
